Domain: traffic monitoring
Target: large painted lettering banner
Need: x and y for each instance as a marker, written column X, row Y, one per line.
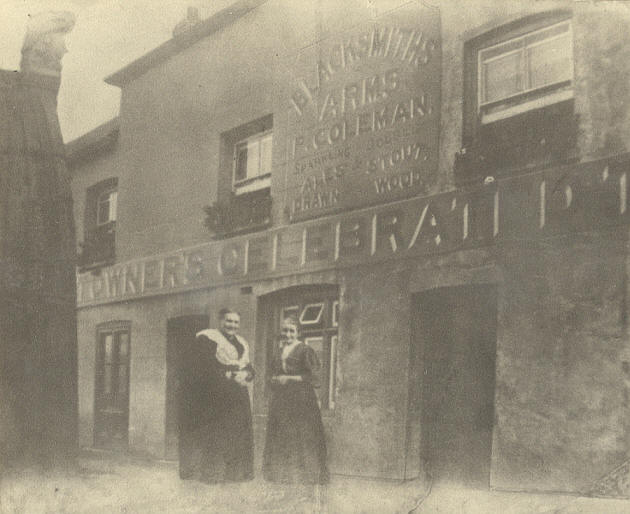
column 587, row 197
column 364, row 114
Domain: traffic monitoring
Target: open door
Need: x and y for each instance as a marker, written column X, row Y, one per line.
column 455, row 330
column 179, row 353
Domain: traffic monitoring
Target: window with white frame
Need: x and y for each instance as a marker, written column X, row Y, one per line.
column 98, row 247
column 252, row 163
column 529, row 71
column 106, row 207
column 317, row 309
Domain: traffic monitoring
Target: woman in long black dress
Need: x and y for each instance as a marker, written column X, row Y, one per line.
column 295, row 448
column 216, row 439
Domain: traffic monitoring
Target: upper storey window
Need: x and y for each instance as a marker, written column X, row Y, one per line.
column 106, row 207
column 252, row 163
column 98, row 247
column 518, row 98
column 244, row 184
column 525, row 72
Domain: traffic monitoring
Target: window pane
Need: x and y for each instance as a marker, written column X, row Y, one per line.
column 312, row 314
column 240, row 172
column 253, row 158
column 317, row 344
column 541, row 35
column 122, row 379
column 335, row 313
column 108, row 348
column 502, row 48
column 113, row 205
column 502, row 77
column 103, row 212
column 332, row 381
column 265, row 154
column 124, row 346
column 549, row 62
column 107, row 380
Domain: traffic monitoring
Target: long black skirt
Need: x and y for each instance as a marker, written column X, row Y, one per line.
column 220, row 449
column 295, row 447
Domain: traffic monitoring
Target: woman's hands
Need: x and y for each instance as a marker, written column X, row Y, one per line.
column 285, row 379
column 241, row 377
column 280, row 379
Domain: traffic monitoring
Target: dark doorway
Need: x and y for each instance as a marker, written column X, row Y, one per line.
column 180, row 352
column 455, row 336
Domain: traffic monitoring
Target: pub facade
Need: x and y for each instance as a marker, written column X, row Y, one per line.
column 439, row 194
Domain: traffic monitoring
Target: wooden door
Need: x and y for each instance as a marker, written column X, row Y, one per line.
column 111, row 424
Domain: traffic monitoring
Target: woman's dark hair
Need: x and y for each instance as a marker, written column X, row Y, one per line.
column 227, row 310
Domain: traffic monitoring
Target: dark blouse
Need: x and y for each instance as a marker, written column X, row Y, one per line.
column 301, row 361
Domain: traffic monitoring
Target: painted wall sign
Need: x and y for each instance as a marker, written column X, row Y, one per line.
column 590, row 196
column 364, row 114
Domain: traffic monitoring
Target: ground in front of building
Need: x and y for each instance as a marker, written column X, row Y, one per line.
column 102, row 483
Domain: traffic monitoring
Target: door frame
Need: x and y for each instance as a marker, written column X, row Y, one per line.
column 112, row 327
column 171, row 387
column 414, row 467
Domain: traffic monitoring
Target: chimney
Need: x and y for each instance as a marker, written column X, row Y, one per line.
column 184, row 26
column 44, row 43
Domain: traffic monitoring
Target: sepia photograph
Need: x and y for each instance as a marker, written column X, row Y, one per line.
column 315, row 256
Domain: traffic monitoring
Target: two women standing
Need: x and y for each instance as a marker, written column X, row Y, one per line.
column 216, row 438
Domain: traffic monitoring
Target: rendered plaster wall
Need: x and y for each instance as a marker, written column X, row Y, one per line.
column 561, row 402
column 601, row 70
column 148, row 364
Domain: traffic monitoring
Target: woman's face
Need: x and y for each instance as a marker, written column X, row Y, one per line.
column 288, row 332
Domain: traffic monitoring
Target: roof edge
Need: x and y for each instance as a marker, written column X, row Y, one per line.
column 93, row 143
column 173, row 46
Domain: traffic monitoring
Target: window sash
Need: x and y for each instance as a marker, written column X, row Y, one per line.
column 310, row 308
column 252, row 159
column 332, row 372
column 524, row 47
column 106, row 206
column 112, row 368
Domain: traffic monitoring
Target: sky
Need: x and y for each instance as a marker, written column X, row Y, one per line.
column 108, row 34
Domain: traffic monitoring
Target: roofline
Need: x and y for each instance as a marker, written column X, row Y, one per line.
column 173, row 46
column 93, row 143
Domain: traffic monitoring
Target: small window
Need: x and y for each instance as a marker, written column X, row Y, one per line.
column 106, row 207
column 252, row 163
column 312, row 314
column 244, row 182
column 98, row 247
column 525, row 72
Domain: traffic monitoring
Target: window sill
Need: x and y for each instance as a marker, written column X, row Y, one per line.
column 530, row 105
column 252, row 185
column 95, row 267
column 239, row 214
